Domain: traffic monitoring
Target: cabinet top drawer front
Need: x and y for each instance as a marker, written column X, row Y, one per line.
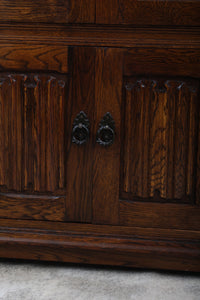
column 47, row 11
column 149, row 12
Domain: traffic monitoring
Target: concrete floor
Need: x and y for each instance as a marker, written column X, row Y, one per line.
column 20, row 280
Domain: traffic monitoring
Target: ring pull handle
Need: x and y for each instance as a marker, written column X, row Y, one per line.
column 106, row 131
column 80, row 130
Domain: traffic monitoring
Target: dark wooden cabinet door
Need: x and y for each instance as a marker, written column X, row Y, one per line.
column 43, row 174
column 152, row 168
column 32, row 146
column 159, row 175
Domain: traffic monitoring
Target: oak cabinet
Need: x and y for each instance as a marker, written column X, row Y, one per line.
column 100, row 134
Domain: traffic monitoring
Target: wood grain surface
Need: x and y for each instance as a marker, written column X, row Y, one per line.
column 108, row 86
column 36, row 57
column 148, row 12
column 134, row 12
column 161, row 215
column 32, row 132
column 162, row 62
column 198, row 166
column 88, row 229
column 32, row 207
column 136, row 202
column 48, row 11
column 79, row 164
column 160, row 139
column 105, row 36
column 127, row 252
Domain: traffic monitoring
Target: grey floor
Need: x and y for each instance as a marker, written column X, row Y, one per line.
column 21, row 280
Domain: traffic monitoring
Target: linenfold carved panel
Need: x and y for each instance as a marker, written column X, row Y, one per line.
column 159, row 155
column 32, row 108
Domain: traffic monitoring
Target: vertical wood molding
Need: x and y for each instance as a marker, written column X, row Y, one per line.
column 80, row 157
column 108, row 87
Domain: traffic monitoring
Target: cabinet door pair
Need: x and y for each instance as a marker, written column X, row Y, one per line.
column 114, row 141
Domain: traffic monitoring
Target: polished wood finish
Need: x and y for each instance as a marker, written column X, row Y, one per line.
column 88, row 229
column 176, row 62
column 135, row 202
column 32, row 207
column 32, row 132
column 109, row 36
column 48, row 11
column 148, row 12
column 159, row 149
column 23, row 57
column 108, row 86
column 80, row 158
column 114, row 245
column 198, row 167
column 132, row 12
column 162, row 215
column 109, row 250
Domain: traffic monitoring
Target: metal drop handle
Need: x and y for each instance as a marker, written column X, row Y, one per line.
column 106, row 132
column 80, row 130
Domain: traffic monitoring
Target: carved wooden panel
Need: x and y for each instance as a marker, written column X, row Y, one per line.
column 32, row 132
column 160, row 132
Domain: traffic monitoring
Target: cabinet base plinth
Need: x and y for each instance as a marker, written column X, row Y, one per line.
column 104, row 250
